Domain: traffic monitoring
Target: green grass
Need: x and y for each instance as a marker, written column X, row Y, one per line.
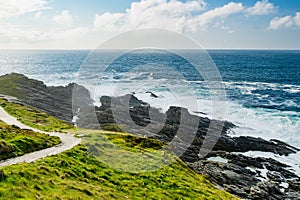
column 34, row 118
column 129, row 152
column 101, row 168
column 76, row 174
column 8, row 85
column 15, row 142
column 111, row 127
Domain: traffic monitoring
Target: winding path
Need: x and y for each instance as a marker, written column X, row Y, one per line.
column 68, row 141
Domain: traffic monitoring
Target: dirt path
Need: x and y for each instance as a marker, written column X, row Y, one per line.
column 68, row 141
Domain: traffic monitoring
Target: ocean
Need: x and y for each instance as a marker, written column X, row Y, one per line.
column 262, row 86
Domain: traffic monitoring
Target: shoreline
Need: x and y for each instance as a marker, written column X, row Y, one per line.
column 240, row 171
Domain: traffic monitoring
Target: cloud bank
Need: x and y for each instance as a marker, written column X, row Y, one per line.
column 10, row 8
column 287, row 21
column 173, row 15
column 189, row 16
column 63, row 18
column 263, row 7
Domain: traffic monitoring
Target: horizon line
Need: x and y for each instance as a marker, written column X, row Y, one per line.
column 90, row 49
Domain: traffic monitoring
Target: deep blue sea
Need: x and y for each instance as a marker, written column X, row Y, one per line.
column 262, row 87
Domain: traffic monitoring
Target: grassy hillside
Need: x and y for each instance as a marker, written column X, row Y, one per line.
column 76, row 174
column 34, row 118
column 15, row 142
column 8, row 85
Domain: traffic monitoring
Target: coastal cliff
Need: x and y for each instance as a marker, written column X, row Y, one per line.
column 244, row 176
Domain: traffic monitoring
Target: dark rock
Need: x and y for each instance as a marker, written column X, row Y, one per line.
column 241, row 175
column 275, row 176
column 56, row 101
column 228, row 176
column 258, row 144
column 280, row 143
column 265, row 190
column 233, row 189
column 247, row 143
column 239, row 180
column 295, row 184
column 152, row 94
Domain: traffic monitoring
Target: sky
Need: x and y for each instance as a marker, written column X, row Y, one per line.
column 214, row 24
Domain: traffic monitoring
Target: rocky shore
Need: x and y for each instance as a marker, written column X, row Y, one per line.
column 225, row 165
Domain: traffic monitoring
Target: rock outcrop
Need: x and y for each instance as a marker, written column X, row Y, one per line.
column 246, row 177
column 249, row 178
column 56, row 101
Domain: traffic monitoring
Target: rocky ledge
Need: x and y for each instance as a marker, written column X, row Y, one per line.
column 225, row 165
column 250, row 178
column 56, row 101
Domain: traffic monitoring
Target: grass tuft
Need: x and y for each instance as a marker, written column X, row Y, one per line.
column 16, row 142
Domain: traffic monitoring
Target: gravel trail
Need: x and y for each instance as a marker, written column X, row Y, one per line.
column 68, row 141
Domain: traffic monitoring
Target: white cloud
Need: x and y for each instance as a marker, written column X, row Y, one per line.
column 263, row 7
column 17, row 37
column 108, row 21
column 70, row 34
column 150, row 14
column 297, row 19
column 38, row 14
column 200, row 21
column 14, row 33
column 277, row 22
column 173, row 15
column 10, row 8
column 287, row 21
column 228, row 29
column 63, row 18
column 181, row 16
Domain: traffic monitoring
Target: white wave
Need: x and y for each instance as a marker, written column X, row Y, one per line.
column 267, row 124
column 292, row 159
column 250, row 86
column 289, row 103
column 256, row 122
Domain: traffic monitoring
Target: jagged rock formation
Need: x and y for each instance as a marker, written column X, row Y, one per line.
column 56, row 101
column 246, row 177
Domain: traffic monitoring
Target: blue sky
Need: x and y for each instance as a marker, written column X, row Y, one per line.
column 215, row 24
